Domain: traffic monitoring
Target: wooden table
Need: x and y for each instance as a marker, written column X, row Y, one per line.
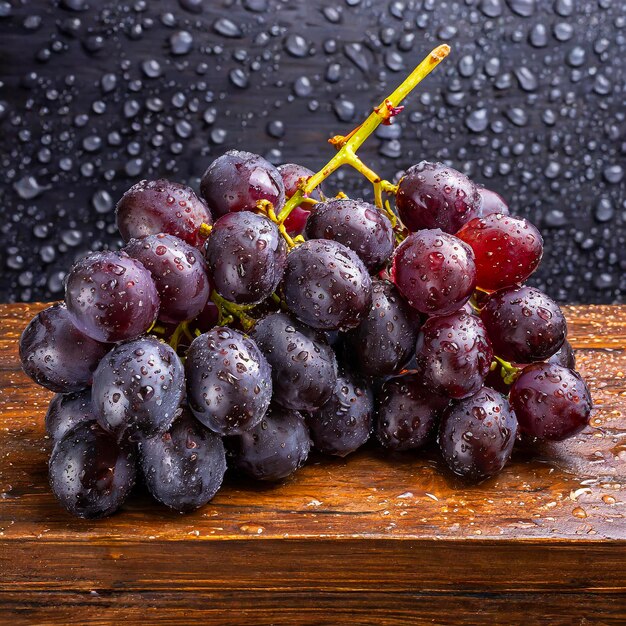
column 372, row 539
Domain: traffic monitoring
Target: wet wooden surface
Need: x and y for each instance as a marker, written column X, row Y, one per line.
column 370, row 539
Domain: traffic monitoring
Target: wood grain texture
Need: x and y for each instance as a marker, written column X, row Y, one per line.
column 374, row 538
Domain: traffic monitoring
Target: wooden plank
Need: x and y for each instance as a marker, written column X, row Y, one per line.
column 321, row 564
column 323, row 609
column 390, row 531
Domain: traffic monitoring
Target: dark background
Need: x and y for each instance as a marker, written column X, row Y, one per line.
column 97, row 95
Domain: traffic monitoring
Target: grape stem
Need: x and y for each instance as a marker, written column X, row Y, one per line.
column 205, row 230
column 266, row 207
column 508, row 371
column 182, row 330
column 472, row 302
column 229, row 310
column 349, row 144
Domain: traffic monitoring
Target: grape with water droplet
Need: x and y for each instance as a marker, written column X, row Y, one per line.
column 459, row 258
column 138, row 387
column 246, row 256
column 477, row 434
column 229, row 384
column 183, row 468
column 274, row 449
column 162, row 206
column 344, row 423
column 551, row 402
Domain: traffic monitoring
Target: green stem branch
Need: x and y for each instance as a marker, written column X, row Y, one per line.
column 231, row 310
column 349, row 144
column 182, row 330
column 508, row 370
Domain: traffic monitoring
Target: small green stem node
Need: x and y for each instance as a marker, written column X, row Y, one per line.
column 205, row 230
column 508, row 371
column 228, row 311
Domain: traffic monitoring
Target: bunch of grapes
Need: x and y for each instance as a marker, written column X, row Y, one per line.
column 242, row 328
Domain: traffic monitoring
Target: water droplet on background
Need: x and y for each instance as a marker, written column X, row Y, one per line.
column 537, row 115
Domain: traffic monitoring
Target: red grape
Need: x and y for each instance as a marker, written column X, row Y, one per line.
column 453, row 354
column 492, row 202
column 433, row 195
column 385, row 340
column 524, row 324
column 208, row 317
column 66, row 410
column 236, row 180
column 161, row 206
column 246, row 256
column 138, row 387
column 273, row 449
column 564, row 356
column 507, row 250
column 184, row 467
column 304, row 368
column 434, row 271
column 91, row 474
column 229, row 384
column 111, row 297
column 332, row 312
column 407, row 412
column 326, row 285
column 356, row 224
column 344, row 423
column 551, row 402
column 179, row 273
column 291, row 174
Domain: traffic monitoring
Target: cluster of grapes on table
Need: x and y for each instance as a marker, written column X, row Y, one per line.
column 222, row 335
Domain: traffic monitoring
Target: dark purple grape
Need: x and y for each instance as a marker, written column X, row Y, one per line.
column 564, row 356
column 229, row 384
column 184, row 467
column 491, row 202
column 291, row 173
column 66, row 410
column 551, row 402
column 507, row 250
column 434, row 271
column 385, row 340
column 524, row 324
column 159, row 206
column 273, row 449
column 326, row 285
column 477, row 434
column 453, row 354
column 237, row 180
column 179, row 273
column 246, row 256
column 111, row 297
column 138, row 386
column 304, row 368
column 90, row 473
column 56, row 355
column 407, row 413
column 344, row 423
column 433, row 195
column 356, row 224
